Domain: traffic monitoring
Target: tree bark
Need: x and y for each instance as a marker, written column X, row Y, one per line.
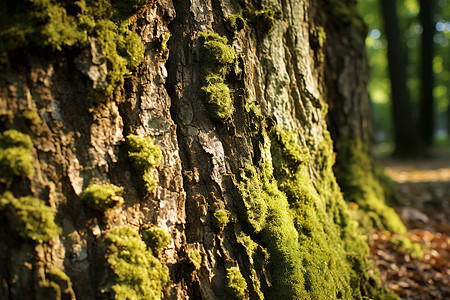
column 246, row 194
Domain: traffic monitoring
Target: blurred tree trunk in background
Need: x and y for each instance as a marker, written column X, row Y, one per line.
column 426, row 114
column 407, row 141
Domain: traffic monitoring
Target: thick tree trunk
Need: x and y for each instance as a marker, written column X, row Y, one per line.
column 216, row 145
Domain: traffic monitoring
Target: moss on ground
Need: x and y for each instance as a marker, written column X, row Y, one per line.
column 146, row 156
column 102, row 196
column 16, row 156
column 64, row 24
column 217, row 58
column 364, row 183
column 137, row 273
column 236, row 285
column 29, row 217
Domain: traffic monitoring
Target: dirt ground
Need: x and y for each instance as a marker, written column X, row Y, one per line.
column 424, row 186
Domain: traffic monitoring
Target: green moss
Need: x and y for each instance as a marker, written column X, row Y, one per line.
column 263, row 18
column 62, row 24
column 57, row 273
column 156, row 239
column 236, row 21
column 122, row 47
column 29, row 217
column 217, row 51
column 218, row 97
column 236, row 285
column 221, row 217
column 145, row 156
column 60, row 283
column 413, row 249
column 278, row 233
column 321, row 35
column 16, row 156
column 315, row 250
column 252, row 192
column 102, row 196
column 217, row 58
column 163, row 41
column 31, row 117
column 195, row 258
column 362, row 183
column 137, row 273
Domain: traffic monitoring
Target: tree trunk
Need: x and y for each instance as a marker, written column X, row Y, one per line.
column 426, row 116
column 350, row 122
column 406, row 140
column 193, row 162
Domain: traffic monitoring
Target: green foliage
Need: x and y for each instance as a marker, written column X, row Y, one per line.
column 236, row 285
column 195, row 258
column 29, row 217
column 221, row 217
column 156, row 239
column 145, row 156
column 413, row 249
column 138, row 274
column 102, row 196
column 365, row 184
column 16, row 157
column 60, row 24
column 217, row 58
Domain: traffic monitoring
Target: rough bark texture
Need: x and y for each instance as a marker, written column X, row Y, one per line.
column 252, row 193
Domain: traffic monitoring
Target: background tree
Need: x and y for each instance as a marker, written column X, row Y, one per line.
column 406, row 140
column 426, row 116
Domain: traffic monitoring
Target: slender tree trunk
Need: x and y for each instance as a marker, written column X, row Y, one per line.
column 175, row 150
column 406, row 140
column 426, row 116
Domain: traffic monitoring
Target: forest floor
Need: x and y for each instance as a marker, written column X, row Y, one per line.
column 424, row 186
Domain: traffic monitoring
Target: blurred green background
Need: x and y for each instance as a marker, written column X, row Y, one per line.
column 380, row 87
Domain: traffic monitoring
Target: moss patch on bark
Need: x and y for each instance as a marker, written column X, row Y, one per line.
column 63, row 24
column 217, row 57
column 29, row 217
column 137, row 273
column 363, row 182
column 315, row 249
